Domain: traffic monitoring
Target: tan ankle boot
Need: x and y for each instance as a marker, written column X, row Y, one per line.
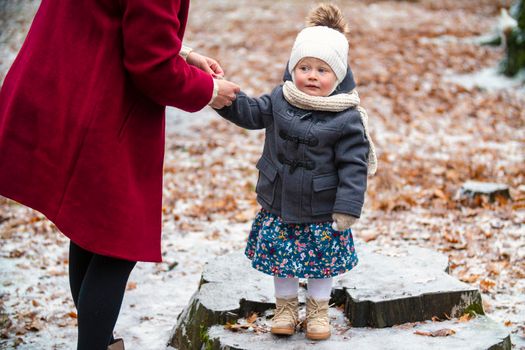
column 286, row 316
column 317, row 320
column 117, row 345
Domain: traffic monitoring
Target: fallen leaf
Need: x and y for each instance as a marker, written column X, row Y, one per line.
column 35, row 325
column 234, row 327
column 440, row 194
column 470, row 279
column 486, row 285
column 518, row 206
column 15, row 253
column 131, row 285
column 444, row 332
column 252, row 318
column 465, row 318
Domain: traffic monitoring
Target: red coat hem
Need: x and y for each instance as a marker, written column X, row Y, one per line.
column 80, row 243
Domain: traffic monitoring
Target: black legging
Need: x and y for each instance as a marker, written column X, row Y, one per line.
column 97, row 285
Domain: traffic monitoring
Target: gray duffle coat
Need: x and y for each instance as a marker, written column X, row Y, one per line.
column 314, row 163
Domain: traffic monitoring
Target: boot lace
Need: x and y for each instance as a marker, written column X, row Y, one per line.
column 285, row 312
column 318, row 316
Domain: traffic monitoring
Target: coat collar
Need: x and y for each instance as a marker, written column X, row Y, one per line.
column 347, row 85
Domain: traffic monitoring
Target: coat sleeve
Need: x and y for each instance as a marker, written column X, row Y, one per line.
column 152, row 37
column 248, row 112
column 351, row 154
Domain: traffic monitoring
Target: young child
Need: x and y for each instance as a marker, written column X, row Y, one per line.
column 312, row 173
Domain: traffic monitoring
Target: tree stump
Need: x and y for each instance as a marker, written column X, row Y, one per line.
column 473, row 191
column 476, row 334
column 408, row 284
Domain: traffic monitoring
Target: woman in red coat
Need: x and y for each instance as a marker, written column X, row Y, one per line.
column 82, row 135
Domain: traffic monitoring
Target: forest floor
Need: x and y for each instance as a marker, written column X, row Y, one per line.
column 439, row 116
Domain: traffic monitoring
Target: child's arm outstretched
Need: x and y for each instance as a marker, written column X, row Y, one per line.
column 248, row 112
column 351, row 155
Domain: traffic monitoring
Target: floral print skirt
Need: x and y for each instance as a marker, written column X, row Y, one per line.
column 312, row 250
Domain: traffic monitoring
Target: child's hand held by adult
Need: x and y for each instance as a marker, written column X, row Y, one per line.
column 227, row 92
column 342, row 222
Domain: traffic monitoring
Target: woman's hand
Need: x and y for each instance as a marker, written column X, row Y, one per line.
column 206, row 64
column 226, row 95
column 342, row 222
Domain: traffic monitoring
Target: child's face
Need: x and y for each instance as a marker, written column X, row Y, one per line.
column 314, row 77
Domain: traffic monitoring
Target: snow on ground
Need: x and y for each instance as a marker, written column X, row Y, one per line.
column 439, row 117
column 36, row 282
column 488, row 78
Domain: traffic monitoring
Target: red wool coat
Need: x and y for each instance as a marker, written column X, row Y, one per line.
column 82, row 118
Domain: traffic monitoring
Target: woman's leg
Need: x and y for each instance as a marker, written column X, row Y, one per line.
column 99, row 300
column 79, row 260
column 320, row 288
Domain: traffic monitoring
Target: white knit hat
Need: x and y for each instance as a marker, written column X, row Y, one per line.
column 324, row 43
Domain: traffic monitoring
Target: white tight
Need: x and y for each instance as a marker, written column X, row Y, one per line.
column 318, row 288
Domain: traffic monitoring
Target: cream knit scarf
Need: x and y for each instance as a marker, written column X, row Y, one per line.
column 335, row 103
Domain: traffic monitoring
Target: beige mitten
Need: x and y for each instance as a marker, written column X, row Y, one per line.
column 342, row 222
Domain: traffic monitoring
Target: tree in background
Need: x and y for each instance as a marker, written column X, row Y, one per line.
column 514, row 37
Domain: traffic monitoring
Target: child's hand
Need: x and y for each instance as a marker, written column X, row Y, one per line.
column 226, row 95
column 342, row 222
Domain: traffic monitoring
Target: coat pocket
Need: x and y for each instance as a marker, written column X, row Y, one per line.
column 324, row 192
column 266, row 183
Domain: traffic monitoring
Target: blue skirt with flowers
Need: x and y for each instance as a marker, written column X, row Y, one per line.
column 311, row 250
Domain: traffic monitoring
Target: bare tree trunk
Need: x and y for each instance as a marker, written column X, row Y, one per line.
column 514, row 60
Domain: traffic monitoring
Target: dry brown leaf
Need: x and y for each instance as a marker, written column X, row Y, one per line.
column 248, row 325
column 486, row 285
column 470, row 279
column 57, row 273
column 518, row 206
column 407, row 325
column 444, row 332
column 231, row 326
column 440, row 194
column 243, row 216
column 452, row 238
column 235, row 327
column 15, row 253
column 494, row 269
column 252, row 318
column 35, row 325
column 131, row 285
column 465, row 318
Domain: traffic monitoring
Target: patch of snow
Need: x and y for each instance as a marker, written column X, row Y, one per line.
column 488, row 79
